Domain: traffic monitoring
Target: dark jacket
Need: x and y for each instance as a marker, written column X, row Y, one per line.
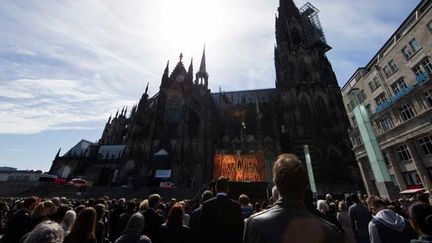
column 389, row 227
column 221, row 221
column 133, row 238
column 289, row 221
column 18, row 225
column 360, row 217
column 153, row 221
column 175, row 234
column 194, row 224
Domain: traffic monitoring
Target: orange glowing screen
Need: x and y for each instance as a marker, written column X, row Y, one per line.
column 244, row 167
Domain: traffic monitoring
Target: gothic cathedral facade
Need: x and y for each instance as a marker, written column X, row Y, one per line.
column 188, row 135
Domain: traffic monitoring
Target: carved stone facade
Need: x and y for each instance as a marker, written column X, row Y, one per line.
column 196, row 134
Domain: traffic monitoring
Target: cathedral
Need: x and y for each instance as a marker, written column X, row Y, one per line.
column 188, row 135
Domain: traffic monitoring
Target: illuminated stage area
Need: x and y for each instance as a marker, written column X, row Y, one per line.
column 240, row 168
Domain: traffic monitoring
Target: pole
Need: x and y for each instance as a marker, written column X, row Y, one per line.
column 310, row 169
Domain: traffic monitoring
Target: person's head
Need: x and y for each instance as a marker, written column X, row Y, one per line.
column 342, row 206
column 375, row 204
column 329, row 197
column 175, row 215
column 154, row 200
column 322, row 206
column 56, row 201
column 50, row 208
column 122, row 202
column 100, row 211
column 244, row 200
column 144, row 205
column 222, row 184
column 68, row 220
column 30, row 203
column 84, row 226
column 422, row 197
column 207, row 195
column 275, row 194
column 46, row 232
column 290, row 177
column 354, row 198
column 135, row 225
column 421, row 218
column 131, row 206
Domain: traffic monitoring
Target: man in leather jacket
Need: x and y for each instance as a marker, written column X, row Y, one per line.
column 289, row 220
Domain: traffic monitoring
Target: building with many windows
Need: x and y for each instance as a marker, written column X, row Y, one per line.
column 396, row 88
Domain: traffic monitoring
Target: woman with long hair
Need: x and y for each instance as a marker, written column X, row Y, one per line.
column 68, row 221
column 174, row 230
column 83, row 230
column 133, row 231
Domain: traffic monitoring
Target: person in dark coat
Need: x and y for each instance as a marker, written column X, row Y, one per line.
column 19, row 222
column 421, row 220
column 153, row 221
column 133, row 231
column 174, row 230
column 221, row 218
column 196, row 214
column 131, row 208
column 360, row 217
column 289, row 220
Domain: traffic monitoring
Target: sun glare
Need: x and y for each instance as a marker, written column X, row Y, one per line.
column 190, row 24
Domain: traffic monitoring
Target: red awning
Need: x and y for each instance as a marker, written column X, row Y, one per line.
column 412, row 191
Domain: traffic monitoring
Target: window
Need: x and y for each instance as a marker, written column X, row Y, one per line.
column 361, row 96
column 403, row 153
column 414, row 45
column 426, row 145
column 398, row 86
column 386, row 123
column 386, row 159
column 349, row 106
column 410, row 49
column 428, row 97
column 406, row 112
column 412, row 178
column 380, row 99
column 390, row 68
column 424, row 66
column 392, row 65
column 374, row 84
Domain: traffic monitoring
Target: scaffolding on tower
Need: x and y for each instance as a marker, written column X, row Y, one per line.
column 314, row 31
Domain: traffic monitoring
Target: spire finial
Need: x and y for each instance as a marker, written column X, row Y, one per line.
column 181, row 56
column 203, row 63
column 146, row 89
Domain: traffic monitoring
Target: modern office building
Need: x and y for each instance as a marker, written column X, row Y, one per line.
column 396, row 88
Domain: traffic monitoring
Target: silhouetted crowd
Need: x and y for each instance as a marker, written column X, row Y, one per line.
column 291, row 215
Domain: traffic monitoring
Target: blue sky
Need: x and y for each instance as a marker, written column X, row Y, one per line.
column 65, row 66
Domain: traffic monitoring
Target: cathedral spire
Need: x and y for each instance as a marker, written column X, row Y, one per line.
column 166, row 71
column 117, row 113
column 58, row 154
column 146, row 89
column 202, row 75
column 190, row 72
column 165, row 76
column 109, row 119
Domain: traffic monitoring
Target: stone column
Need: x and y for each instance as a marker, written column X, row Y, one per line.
column 418, row 163
column 367, row 181
column 396, row 168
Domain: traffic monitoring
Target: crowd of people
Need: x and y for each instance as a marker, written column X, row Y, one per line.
column 291, row 215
